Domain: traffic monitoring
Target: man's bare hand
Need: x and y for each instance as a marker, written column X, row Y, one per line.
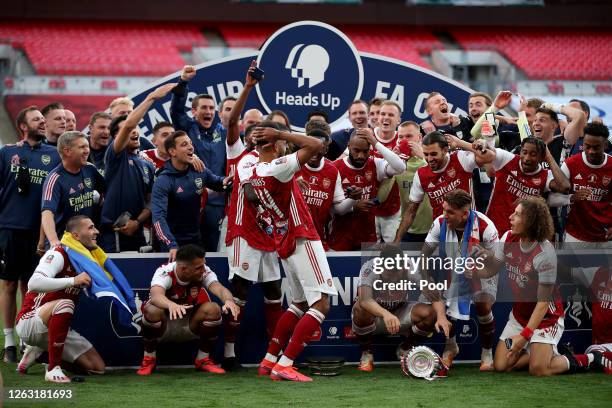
column 502, row 99
column 177, row 311
column 82, row 280
column 188, row 73
column 363, row 205
column 161, row 91
column 250, row 81
column 265, row 134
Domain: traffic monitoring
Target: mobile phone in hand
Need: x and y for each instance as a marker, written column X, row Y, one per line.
column 257, row 73
column 508, row 343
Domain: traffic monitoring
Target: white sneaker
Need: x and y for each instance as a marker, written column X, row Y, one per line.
column 28, row 358
column 56, row 375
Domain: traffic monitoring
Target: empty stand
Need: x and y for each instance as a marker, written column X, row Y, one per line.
column 395, row 42
column 103, row 48
column 547, row 54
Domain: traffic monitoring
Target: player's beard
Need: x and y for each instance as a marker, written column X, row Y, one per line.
column 35, row 135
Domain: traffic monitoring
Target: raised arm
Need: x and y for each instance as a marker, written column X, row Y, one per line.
column 136, row 116
column 309, row 146
column 233, row 125
column 576, row 118
column 179, row 117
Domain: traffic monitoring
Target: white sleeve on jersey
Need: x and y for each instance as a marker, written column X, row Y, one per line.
column 245, row 167
column 209, row 277
column 416, row 190
column 235, row 150
column 43, row 279
column 502, row 157
column 161, row 276
column 282, row 168
column 390, row 165
column 339, row 195
column 565, row 170
column 367, row 275
column 499, row 248
column 433, row 236
column 467, row 160
column 549, row 178
column 545, row 264
column 490, row 236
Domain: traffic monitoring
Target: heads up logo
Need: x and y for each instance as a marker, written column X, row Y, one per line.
column 309, row 65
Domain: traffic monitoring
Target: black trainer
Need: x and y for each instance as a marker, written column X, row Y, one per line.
column 566, row 350
column 231, row 364
column 10, row 354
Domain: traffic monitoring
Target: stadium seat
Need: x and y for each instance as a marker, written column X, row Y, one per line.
column 134, row 49
column 547, row 54
column 395, row 42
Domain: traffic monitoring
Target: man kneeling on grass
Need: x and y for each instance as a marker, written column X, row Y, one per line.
column 179, row 308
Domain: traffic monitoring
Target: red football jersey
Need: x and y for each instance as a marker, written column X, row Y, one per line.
column 280, row 194
column 242, row 216
column 324, row 190
column 589, row 219
column 233, row 154
column 512, row 183
column 601, row 289
column 54, row 264
column 392, row 204
column 350, row 230
column 526, row 269
column 183, row 293
column 152, row 156
column 456, row 174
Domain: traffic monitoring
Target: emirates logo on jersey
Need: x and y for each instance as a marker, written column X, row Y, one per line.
column 452, row 173
column 606, row 180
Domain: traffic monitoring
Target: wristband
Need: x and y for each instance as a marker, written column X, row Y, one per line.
column 526, row 333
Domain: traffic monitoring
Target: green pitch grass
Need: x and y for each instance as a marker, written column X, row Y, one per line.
column 385, row 387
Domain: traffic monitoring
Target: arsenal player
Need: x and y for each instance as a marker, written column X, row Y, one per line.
column 251, row 253
column 361, row 170
column 520, row 176
column 535, row 324
column 297, row 244
column 179, row 303
column 599, row 353
column 46, row 314
column 388, row 213
column 444, row 172
column 321, row 185
column 590, row 174
column 159, row 155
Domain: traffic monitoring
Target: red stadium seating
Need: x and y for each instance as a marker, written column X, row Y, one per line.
column 547, row 54
column 395, row 42
column 132, row 49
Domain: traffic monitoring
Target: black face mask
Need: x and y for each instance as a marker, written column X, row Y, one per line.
column 23, row 177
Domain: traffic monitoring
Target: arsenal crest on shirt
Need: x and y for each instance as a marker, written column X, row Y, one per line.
column 605, row 180
column 451, row 173
column 326, row 183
